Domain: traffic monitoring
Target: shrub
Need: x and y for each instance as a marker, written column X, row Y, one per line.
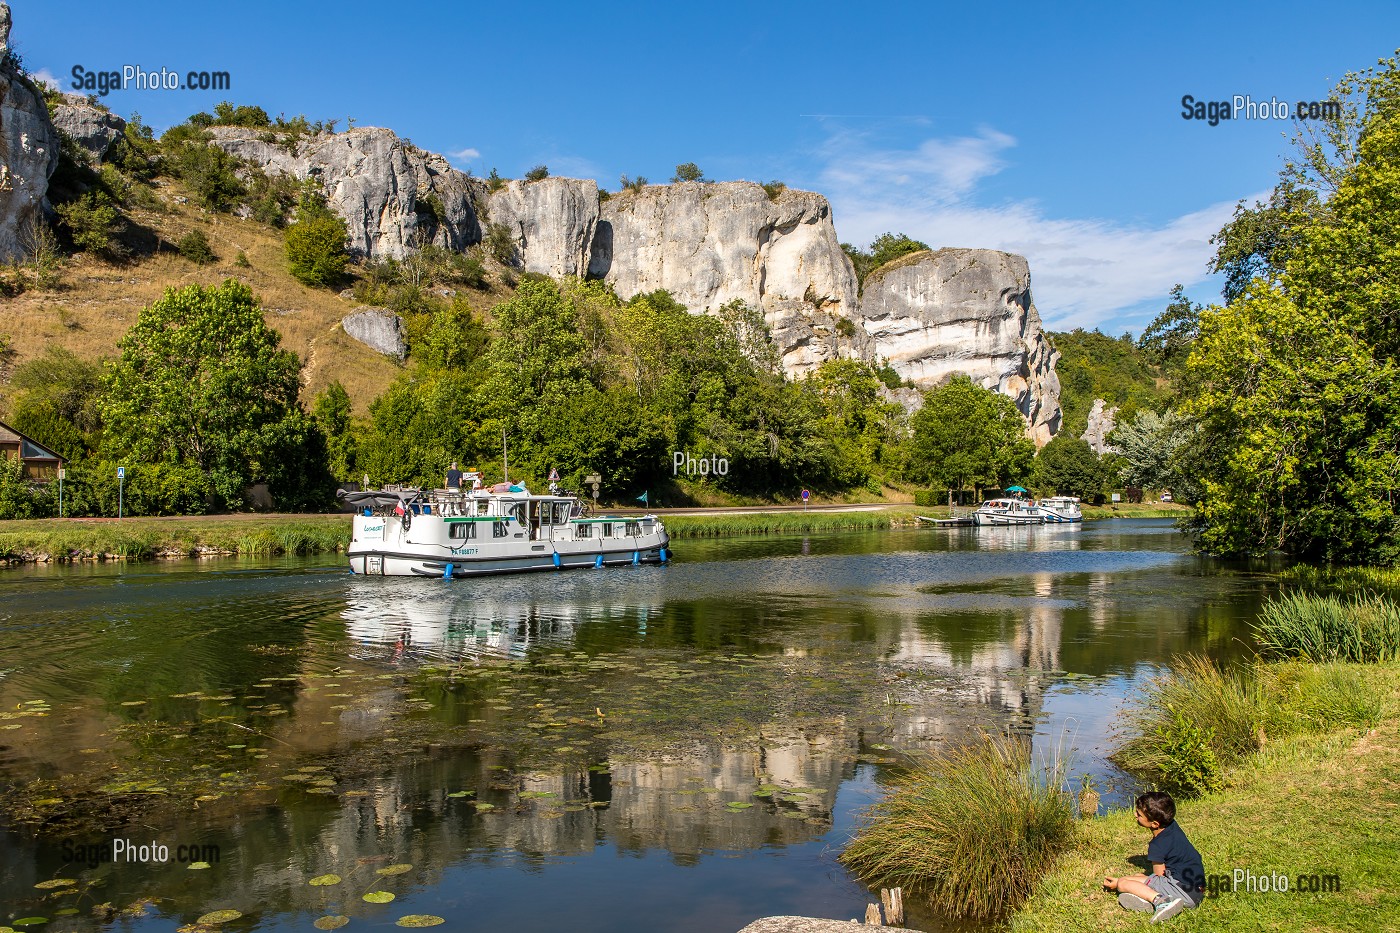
column 971, row 832
column 538, row 173
column 500, row 244
column 494, row 181
column 774, row 189
column 92, row 222
column 1365, row 628
column 633, row 184
column 688, row 171
column 316, row 250
column 241, row 260
column 208, row 171
column 195, row 247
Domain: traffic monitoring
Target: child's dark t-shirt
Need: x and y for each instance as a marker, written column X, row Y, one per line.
column 1170, row 847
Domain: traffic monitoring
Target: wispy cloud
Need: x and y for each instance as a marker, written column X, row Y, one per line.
column 1085, row 271
column 464, row 155
column 44, row 76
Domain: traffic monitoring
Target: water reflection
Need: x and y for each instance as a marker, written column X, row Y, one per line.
column 711, row 725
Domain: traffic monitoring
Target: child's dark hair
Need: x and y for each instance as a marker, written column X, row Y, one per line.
column 1158, row 807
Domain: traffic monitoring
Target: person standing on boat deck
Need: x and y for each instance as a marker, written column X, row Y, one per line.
column 454, row 477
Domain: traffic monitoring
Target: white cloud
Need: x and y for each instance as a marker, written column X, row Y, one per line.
column 44, row 76
column 464, row 155
column 1085, row 272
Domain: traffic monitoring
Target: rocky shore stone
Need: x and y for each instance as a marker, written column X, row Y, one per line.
column 378, row 329
column 92, row 128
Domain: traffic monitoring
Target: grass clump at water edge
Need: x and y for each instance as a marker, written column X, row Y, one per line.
column 1363, row 629
column 971, row 832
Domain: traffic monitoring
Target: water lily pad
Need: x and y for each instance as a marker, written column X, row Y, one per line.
column 331, row 922
column 321, row 881
column 393, row 869
column 220, row 916
column 30, row 921
column 738, row 805
column 55, row 883
column 483, row 807
column 199, row 866
column 419, row 920
column 461, row 793
column 378, row 897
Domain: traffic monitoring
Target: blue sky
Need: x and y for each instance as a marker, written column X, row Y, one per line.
column 1051, row 130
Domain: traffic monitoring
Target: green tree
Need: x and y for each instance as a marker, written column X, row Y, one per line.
column 57, row 403
column 886, row 248
column 1069, row 466
column 965, row 435
column 1151, row 445
column 687, row 171
column 1094, row 365
column 195, row 247
column 332, row 413
column 93, row 222
column 316, row 243
column 201, row 381
column 538, row 173
column 1167, row 340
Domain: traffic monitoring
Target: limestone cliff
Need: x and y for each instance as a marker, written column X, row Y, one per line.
column 92, row 128
column 712, row 243
column 394, row 197
column 28, row 156
column 936, row 313
column 552, row 220
column 1102, row 421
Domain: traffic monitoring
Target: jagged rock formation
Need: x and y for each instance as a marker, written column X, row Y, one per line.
column 712, row 243
column 1102, row 421
column 378, row 329
column 92, row 128
column 28, row 155
column 936, row 313
column 552, row 220
column 394, row 197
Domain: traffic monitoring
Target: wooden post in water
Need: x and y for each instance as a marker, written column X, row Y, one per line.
column 893, row 899
column 872, row 915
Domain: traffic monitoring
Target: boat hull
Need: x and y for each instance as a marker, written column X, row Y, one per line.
column 986, row 519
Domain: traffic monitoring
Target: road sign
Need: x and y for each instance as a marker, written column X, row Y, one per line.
column 593, row 479
column 61, row 474
column 806, row 494
column 121, row 472
column 553, row 476
column 1117, row 497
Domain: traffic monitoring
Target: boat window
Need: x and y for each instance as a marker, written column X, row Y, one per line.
column 518, row 510
column 561, row 513
column 583, row 531
column 607, row 529
column 461, row 531
column 633, row 529
column 500, row 529
column 543, row 513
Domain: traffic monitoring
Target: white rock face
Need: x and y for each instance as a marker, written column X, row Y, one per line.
column 1102, row 421
column 552, row 220
column 90, row 127
column 28, row 156
column 393, row 196
column 378, row 329
column 936, row 313
column 712, row 243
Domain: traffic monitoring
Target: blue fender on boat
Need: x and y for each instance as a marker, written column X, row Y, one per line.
column 556, row 560
column 599, row 562
column 447, row 572
column 636, row 558
column 663, row 555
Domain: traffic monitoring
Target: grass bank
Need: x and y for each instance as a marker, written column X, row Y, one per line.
column 1140, row 510
column 193, row 536
column 1308, row 805
column 761, row 523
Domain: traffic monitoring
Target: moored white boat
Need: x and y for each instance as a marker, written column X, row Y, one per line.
column 1007, row 512
column 503, row 529
column 1059, row 509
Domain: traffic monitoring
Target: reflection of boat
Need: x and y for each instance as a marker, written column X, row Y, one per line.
column 503, row 529
column 1059, row 509
column 1007, row 512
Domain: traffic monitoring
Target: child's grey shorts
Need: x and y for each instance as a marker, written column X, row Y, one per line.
column 1166, row 884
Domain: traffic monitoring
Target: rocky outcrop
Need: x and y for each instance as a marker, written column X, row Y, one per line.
column 378, row 329
column 936, row 313
column 28, row 156
column 552, row 222
column 1102, row 421
column 394, row 197
column 94, row 129
column 709, row 244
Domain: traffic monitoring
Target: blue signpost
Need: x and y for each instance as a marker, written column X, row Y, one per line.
column 806, row 494
column 121, row 485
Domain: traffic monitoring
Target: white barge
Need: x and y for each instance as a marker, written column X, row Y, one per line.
column 502, row 529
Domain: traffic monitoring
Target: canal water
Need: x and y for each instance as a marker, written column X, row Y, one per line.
column 685, row 747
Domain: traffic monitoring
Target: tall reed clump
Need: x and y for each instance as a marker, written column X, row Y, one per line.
column 1189, row 726
column 971, row 832
column 1364, row 628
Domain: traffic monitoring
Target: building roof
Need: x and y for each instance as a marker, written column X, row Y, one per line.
column 29, row 449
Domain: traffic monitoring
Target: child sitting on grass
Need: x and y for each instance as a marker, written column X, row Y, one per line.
column 1178, row 878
